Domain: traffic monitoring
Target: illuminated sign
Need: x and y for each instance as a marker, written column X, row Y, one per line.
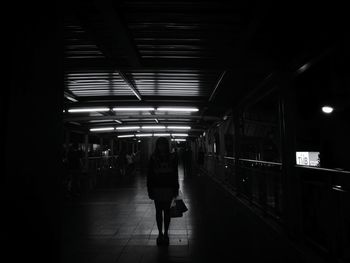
column 308, row 158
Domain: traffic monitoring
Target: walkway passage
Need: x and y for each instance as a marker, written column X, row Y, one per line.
column 118, row 225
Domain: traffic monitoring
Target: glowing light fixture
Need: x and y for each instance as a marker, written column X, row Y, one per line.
column 128, row 128
column 303, row 68
column 176, row 109
column 126, row 136
column 179, row 134
column 153, row 127
column 144, row 135
column 102, row 129
column 178, row 140
column 179, row 127
column 133, row 109
column 87, row 110
column 118, row 121
column 161, row 134
column 327, row 109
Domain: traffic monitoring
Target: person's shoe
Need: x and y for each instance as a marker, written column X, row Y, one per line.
column 166, row 240
column 160, row 239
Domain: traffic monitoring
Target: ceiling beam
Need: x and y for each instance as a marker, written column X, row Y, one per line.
column 120, row 35
column 212, row 95
column 131, row 84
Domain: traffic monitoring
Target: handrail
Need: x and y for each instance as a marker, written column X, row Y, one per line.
column 99, row 157
column 257, row 161
column 322, row 169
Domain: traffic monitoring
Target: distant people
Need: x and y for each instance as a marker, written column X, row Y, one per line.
column 122, row 162
column 188, row 161
column 200, row 156
column 130, row 162
column 162, row 185
column 74, row 165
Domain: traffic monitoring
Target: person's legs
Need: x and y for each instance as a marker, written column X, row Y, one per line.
column 166, row 207
column 159, row 216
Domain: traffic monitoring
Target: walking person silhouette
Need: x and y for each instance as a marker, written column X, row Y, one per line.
column 162, row 185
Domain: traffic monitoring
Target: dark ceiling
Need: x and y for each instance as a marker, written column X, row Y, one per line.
column 204, row 54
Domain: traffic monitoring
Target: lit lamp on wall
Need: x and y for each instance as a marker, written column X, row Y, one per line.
column 327, row 109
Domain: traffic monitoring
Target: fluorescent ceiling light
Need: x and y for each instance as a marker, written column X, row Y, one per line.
column 133, row 109
column 179, row 140
column 327, row 109
column 126, row 136
column 153, row 127
column 179, row 127
column 88, row 109
column 176, row 109
column 161, row 134
column 144, row 135
column 128, row 128
column 71, row 99
column 180, row 134
column 102, row 129
column 94, row 121
column 118, row 121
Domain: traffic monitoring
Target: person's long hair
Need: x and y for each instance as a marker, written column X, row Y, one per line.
column 161, row 140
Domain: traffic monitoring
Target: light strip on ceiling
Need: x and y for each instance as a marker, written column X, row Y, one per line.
column 87, row 110
column 179, row 127
column 178, row 140
column 144, row 135
column 153, row 127
column 128, row 128
column 102, row 129
column 126, row 136
column 161, row 134
column 179, row 134
column 118, row 121
column 133, row 109
column 176, row 109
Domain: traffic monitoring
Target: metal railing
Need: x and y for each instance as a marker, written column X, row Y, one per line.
column 257, row 181
column 325, row 197
column 326, row 209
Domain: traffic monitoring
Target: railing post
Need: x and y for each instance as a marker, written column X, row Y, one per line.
column 291, row 183
column 237, row 138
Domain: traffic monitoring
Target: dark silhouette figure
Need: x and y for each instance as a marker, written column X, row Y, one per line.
column 122, row 162
column 74, row 169
column 162, row 185
column 200, row 156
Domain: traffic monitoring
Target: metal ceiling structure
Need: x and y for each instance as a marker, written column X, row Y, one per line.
column 202, row 54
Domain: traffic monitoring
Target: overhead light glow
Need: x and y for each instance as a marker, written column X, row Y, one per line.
column 179, row 127
column 176, row 109
column 153, row 127
column 102, row 129
column 144, row 135
column 178, row 140
column 161, row 134
column 327, row 109
column 303, row 68
column 179, row 134
column 128, row 128
column 87, row 110
column 133, row 109
column 71, row 99
column 126, row 136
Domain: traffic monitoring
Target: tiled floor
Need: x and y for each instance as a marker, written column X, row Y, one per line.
column 118, row 225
